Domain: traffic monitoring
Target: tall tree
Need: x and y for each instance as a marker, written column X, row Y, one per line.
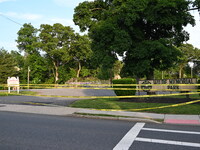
column 143, row 32
column 81, row 51
column 189, row 54
column 8, row 66
column 87, row 14
column 27, row 39
column 33, row 61
column 56, row 42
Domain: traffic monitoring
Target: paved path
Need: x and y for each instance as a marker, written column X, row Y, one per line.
column 75, row 92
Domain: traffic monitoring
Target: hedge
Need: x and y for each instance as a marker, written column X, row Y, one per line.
column 124, row 92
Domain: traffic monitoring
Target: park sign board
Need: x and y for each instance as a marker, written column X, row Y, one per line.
column 13, row 82
column 164, row 84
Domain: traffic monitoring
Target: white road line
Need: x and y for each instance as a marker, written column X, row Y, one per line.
column 173, row 131
column 130, row 136
column 168, row 142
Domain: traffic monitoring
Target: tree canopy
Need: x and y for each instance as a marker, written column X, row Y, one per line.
column 189, row 54
column 28, row 43
column 8, row 66
column 81, row 51
column 56, row 41
column 143, row 32
column 53, row 53
column 27, row 39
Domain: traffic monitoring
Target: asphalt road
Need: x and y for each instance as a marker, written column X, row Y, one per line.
column 38, row 132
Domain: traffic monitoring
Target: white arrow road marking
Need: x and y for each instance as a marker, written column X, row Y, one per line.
column 168, row 142
column 172, row 131
column 129, row 138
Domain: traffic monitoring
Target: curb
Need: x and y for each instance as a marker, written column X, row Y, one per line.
column 116, row 118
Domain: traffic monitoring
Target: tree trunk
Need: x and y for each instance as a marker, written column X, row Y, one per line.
column 56, row 79
column 111, row 76
column 56, row 72
column 150, row 76
column 79, row 70
column 180, row 71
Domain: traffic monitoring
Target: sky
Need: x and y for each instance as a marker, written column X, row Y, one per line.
column 14, row 13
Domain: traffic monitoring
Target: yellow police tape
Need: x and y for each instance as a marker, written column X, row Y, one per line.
column 129, row 96
column 159, row 107
column 100, row 87
column 141, row 109
column 132, row 96
column 112, row 88
column 90, row 85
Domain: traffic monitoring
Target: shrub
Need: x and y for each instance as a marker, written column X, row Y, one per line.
column 3, row 87
column 124, row 92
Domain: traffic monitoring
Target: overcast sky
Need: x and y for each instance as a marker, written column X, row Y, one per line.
column 14, row 13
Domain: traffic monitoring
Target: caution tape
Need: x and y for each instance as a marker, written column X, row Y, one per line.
column 159, row 107
column 129, row 96
column 125, row 89
column 104, row 88
column 140, row 109
column 63, row 85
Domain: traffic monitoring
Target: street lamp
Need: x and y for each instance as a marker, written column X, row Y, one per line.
column 191, row 65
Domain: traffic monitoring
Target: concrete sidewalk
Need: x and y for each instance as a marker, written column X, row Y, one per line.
column 121, row 115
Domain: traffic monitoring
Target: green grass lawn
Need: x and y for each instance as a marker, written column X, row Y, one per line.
column 115, row 104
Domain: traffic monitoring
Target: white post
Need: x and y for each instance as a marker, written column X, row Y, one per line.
column 191, row 64
column 9, row 89
column 17, row 89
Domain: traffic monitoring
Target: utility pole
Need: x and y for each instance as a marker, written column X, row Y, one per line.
column 28, row 76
